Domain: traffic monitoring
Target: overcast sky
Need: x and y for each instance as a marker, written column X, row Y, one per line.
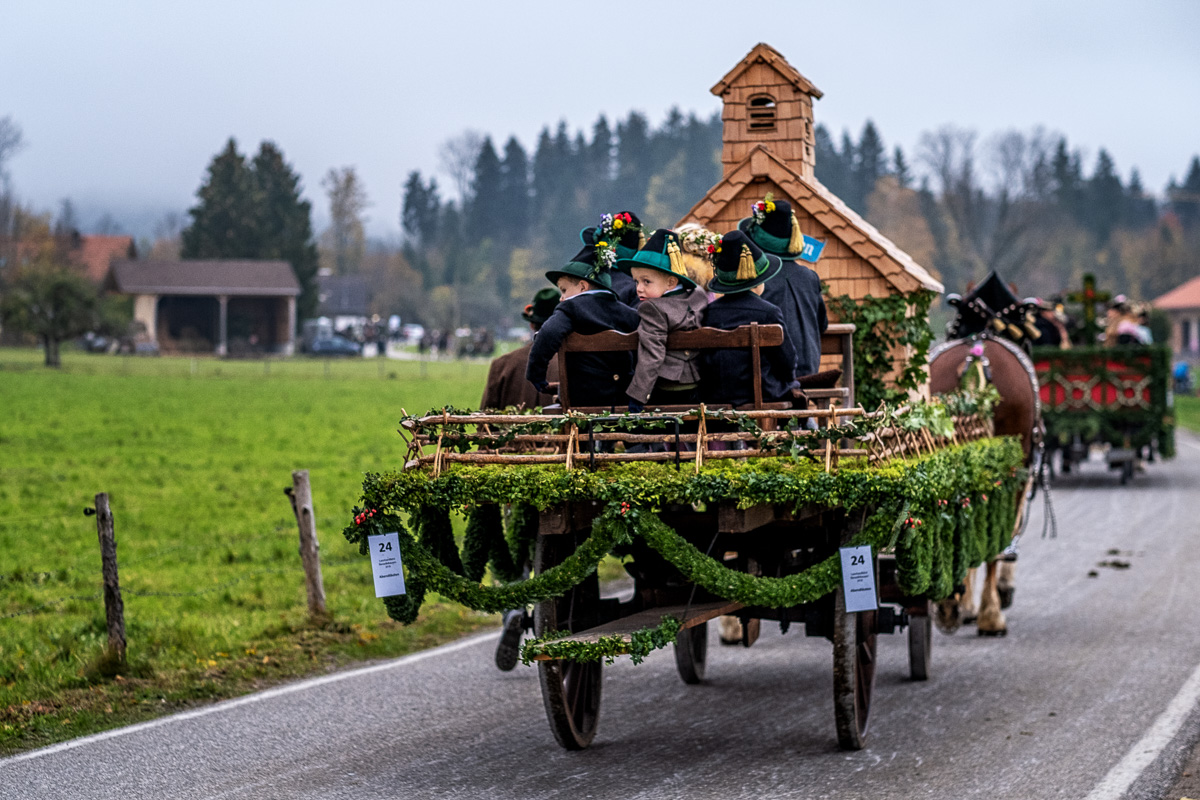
column 124, row 103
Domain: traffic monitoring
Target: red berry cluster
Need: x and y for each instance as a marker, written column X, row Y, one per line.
column 984, row 498
column 625, row 508
column 966, row 501
column 913, row 522
column 361, row 518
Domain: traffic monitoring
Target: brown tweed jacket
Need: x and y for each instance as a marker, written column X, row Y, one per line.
column 660, row 316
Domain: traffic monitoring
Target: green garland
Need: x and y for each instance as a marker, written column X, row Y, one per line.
column 931, row 548
column 1142, row 426
column 641, row 643
column 883, row 324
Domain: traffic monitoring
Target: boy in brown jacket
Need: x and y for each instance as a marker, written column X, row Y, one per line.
column 668, row 301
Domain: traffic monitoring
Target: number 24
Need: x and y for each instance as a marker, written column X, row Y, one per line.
column 385, row 546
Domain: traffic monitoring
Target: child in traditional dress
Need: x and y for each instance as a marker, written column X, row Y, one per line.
column 588, row 306
column 741, row 269
column 668, row 301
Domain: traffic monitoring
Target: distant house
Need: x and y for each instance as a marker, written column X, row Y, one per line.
column 222, row 307
column 96, row 253
column 344, row 300
column 1182, row 306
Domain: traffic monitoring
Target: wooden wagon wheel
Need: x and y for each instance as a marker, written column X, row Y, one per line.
column 691, row 653
column 570, row 689
column 853, row 672
column 920, row 643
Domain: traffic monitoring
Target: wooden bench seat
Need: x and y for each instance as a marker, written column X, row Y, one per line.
column 837, row 340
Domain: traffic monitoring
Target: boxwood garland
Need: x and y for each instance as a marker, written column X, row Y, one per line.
column 944, row 524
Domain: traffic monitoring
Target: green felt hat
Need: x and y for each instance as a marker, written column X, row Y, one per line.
column 662, row 252
column 739, row 265
column 543, row 305
column 583, row 265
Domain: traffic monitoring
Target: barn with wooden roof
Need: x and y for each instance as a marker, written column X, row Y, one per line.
column 769, row 146
column 226, row 307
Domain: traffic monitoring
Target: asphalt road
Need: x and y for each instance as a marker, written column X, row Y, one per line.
column 1092, row 694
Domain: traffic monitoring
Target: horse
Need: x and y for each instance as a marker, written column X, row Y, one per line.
column 1018, row 413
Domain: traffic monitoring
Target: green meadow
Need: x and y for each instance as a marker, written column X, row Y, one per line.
column 1187, row 412
column 195, row 454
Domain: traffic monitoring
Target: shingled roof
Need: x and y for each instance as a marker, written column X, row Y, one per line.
column 765, row 54
column 895, row 265
column 1185, row 296
column 197, row 277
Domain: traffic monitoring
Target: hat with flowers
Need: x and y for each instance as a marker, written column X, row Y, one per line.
column 772, row 226
column 740, row 264
column 618, row 235
column 661, row 252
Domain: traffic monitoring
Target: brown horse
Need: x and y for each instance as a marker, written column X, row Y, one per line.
column 1019, row 413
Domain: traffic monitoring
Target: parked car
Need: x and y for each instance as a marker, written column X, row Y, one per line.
column 334, row 346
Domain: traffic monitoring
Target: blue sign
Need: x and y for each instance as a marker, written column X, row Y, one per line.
column 812, row 249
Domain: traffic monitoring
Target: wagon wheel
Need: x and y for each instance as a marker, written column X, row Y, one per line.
column 691, row 653
column 920, row 643
column 853, row 672
column 570, row 689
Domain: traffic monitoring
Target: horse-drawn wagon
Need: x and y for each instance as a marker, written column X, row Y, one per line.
column 1114, row 396
column 757, row 512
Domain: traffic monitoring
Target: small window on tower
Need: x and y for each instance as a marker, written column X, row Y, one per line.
column 762, row 112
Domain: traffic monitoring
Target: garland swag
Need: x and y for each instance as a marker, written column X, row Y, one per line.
column 942, row 512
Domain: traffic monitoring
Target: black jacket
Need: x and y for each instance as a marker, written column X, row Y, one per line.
column 797, row 292
column 725, row 375
column 593, row 379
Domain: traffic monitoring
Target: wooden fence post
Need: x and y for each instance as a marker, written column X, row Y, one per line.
column 114, row 606
column 300, row 493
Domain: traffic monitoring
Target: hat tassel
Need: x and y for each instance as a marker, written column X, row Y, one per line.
column 796, row 243
column 746, row 269
column 676, row 258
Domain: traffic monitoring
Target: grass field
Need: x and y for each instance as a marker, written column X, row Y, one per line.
column 195, row 454
column 1187, row 412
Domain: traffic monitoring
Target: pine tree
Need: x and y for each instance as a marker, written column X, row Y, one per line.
column 1185, row 199
column 284, row 223
column 1139, row 209
column 485, row 218
column 870, row 163
column 829, row 167
column 514, row 192
column 1068, row 180
column 1104, row 198
column 900, row 168
column 420, row 210
column 634, row 162
column 599, row 160
column 223, row 222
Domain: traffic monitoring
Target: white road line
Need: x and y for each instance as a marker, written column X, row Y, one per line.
column 269, row 694
column 1141, row 755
